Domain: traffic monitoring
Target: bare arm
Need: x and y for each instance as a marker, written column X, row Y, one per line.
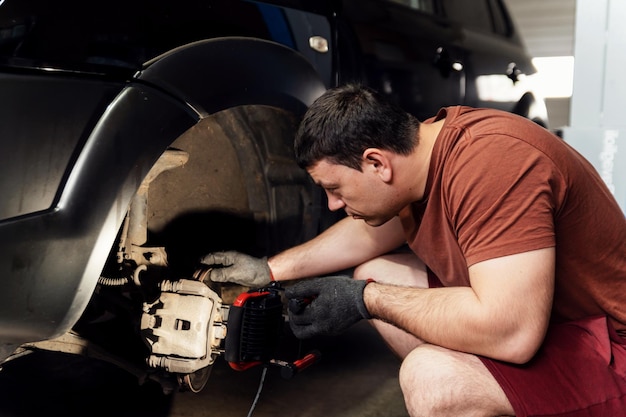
column 346, row 244
column 503, row 315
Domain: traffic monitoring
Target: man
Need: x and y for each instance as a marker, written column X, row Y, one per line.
column 512, row 300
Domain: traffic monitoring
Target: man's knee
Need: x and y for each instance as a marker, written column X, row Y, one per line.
column 367, row 270
column 395, row 268
column 423, row 372
column 440, row 382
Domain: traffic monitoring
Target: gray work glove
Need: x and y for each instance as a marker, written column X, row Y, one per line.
column 239, row 268
column 325, row 306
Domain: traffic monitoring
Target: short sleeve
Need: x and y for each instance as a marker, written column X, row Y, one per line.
column 501, row 197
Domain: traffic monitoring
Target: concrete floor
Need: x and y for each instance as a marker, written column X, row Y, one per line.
column 357, row 376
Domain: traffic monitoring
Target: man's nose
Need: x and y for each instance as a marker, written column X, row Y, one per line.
column 335, row 203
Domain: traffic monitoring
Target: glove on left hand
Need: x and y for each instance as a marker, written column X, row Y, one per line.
column 334, row 304
column 242, row 269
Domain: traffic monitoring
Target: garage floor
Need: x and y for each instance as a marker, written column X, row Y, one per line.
column 357, row 376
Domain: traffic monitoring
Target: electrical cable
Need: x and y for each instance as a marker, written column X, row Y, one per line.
column 258, row 393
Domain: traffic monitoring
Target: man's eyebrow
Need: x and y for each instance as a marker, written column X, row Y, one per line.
column 326, row 186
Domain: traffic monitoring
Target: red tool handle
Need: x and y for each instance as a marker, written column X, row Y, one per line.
column 289, row 369
column 307, row 360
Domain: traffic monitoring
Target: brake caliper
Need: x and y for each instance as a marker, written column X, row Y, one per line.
column 184, row 328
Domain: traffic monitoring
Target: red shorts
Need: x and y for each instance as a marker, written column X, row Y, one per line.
column 580, row 370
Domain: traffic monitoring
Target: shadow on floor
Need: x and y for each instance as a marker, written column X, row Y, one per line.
column 357, row 376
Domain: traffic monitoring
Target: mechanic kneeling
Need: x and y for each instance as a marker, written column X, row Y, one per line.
column 512, row 300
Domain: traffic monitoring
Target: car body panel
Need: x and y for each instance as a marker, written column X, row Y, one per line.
column 191, row 74
column 48, row 282
column 41, row 126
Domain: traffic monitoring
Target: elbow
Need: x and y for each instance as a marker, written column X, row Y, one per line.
column 521, row 347
column 519, row 356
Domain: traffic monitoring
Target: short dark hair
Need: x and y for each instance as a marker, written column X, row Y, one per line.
column 346, row 120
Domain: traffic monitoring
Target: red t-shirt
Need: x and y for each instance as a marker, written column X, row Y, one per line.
column 500, row 185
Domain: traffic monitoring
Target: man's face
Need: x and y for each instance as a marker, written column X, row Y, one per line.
column 363, row 195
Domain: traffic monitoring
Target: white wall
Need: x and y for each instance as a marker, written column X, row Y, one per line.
column 547, row 27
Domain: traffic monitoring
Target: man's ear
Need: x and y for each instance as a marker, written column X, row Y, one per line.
column 378, row 162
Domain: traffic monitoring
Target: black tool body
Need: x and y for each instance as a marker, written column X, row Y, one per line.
column 255, row 332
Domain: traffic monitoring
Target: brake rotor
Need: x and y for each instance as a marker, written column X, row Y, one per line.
column 195, row 381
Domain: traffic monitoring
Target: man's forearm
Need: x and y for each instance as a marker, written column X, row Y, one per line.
column 450, row 317
column 346, row 244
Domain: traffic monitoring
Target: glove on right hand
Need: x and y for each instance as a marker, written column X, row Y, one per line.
column 242, row 269
column 327, row 305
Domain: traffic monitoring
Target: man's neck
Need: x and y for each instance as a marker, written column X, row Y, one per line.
column 420, row 158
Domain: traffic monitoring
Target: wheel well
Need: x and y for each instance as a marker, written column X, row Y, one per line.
column 240, row 189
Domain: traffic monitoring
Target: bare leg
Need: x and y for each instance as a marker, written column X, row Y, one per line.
column 396, row 269
column 435, row 381
column 440, row 382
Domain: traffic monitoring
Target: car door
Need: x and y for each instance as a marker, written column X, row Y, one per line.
column 408, row 52
column 496, row 62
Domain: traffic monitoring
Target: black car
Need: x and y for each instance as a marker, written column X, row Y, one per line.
column 139, row 135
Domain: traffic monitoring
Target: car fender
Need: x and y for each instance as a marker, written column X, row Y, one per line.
column 215, row 74
column 51, row 260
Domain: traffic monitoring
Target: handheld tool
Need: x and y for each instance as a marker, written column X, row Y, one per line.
column 255, row 329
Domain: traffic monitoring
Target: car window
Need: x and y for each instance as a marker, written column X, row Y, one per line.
column 475, row 15
column 501, row 20
column 421, row 5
